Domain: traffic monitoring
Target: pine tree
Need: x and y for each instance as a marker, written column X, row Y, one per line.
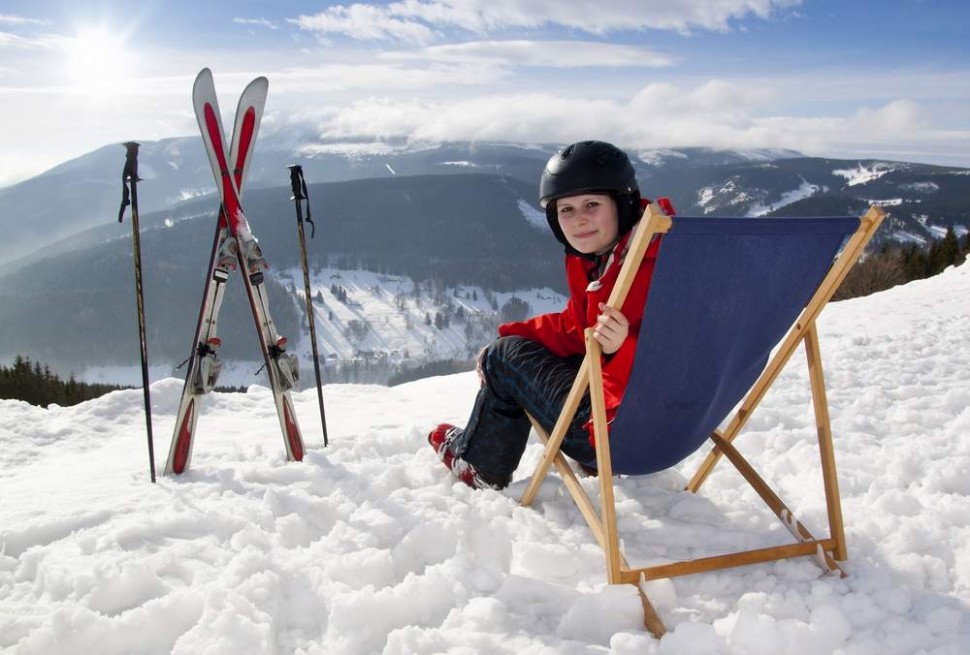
column 949, row 249
column 915, row 262
column 38, row 385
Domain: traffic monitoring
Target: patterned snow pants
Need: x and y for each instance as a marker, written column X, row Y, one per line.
column 521, row 376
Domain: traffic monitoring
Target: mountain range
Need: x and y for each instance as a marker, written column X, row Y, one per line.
column 449, row 234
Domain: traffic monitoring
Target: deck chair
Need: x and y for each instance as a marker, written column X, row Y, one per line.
column 726, row 293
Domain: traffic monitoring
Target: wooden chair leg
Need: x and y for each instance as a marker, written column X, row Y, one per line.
column 604, row 465
column 833, row 500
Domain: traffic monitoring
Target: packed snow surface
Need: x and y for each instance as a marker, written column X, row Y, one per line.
column 369, row 545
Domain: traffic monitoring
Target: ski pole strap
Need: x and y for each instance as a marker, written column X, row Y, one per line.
column 300, row 193
column 130, row 172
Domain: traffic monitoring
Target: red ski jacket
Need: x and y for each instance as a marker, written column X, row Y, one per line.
column 563, row 333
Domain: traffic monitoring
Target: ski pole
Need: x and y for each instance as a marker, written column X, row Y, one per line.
column 300, row 195
column 129, row 177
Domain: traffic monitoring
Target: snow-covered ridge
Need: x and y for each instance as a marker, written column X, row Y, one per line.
column 360, row 149
column 805, row 190
column 863, row 174
column 658, row 157
column 728, row 194
column 661, row 156
column 921, row 187
column 373, row 315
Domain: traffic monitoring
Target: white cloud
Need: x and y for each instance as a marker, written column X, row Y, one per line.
column 716, row 113
column 385, row 78
column 263, row 22
column 8, row 19
column 365, row 22
column 13, row 41
column 8, row 40
column 554, row 54
column 416, row 20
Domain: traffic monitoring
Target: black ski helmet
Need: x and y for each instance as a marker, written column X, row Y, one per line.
column 590, row 167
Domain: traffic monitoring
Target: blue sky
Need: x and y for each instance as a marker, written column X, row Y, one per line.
column 850, row 79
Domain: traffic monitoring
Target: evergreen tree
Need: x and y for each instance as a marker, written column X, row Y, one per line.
column 39, row 385
column 515, row 309
column 915, row 262
column 949, row 250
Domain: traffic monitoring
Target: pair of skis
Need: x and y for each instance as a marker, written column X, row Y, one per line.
column 234, row 246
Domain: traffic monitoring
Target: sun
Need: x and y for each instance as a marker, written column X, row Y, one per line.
column 97, row 57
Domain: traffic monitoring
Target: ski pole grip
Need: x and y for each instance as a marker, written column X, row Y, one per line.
column 296, row 179
column 129, row 174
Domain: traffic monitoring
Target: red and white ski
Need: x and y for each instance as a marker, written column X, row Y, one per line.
column 234, row 246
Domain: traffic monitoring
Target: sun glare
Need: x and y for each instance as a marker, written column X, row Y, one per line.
column 96, row 57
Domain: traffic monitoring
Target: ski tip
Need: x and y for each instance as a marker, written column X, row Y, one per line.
column 203, row 81
column 259, row 85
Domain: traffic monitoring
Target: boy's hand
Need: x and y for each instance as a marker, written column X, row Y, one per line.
column 611, row 329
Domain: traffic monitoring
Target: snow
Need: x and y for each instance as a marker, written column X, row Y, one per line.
column 863, row 174
column 937, row 231
column 369, row 546
column 659, row 156
column 185, row 194
column 921, row 187
column 908, row 237
column 805, row 190
column 886, row 202
column 460, row 164
column 533, row 216
column 361, row 149
column 728, row 194
column 394, row 314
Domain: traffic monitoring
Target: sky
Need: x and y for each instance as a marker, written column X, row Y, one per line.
column 371, row 546
column 861, row 79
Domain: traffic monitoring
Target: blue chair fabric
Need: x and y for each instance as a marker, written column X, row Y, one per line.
column 724, row 293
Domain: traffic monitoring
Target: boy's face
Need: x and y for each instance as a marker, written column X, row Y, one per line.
column 588, row 221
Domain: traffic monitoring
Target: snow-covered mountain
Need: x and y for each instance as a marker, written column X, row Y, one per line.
column 85, row 192
column 922, row 201
column 370, row 546
column 371, row 328
column 449, row 216
column 398, row 265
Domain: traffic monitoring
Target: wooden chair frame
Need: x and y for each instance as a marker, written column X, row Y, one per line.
column 827, row 551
